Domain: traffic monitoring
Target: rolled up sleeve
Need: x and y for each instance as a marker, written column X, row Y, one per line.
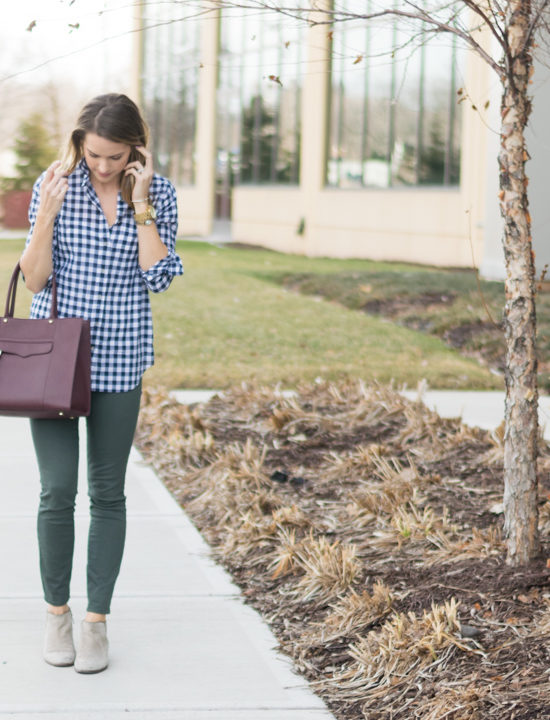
column 158, row 278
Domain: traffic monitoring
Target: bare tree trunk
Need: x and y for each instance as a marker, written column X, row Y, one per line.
column 521, row 419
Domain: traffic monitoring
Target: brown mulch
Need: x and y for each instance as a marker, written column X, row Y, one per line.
column 368, row 533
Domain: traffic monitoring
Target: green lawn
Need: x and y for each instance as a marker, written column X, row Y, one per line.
column 229, row 320
column 455, row 305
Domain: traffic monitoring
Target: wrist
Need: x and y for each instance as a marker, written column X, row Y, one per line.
column 45, row 218
column 146, row 216
column 140, row 206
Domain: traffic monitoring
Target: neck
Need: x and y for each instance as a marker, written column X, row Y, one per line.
column 103, row 190
column 110, row 188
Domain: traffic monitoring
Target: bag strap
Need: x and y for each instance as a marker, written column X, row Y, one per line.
column 12, row 291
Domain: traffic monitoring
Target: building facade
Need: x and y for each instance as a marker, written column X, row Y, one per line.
column 337, row 140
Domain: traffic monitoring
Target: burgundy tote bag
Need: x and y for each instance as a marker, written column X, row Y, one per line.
column 45, row 364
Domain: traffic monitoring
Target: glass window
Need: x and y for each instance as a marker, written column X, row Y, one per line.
column 169, row 87
column 394, row 117
column 258, row 116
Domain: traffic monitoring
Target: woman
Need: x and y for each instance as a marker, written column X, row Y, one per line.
column 106, row 224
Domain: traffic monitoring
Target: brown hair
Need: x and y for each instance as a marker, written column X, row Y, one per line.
column 113, row 117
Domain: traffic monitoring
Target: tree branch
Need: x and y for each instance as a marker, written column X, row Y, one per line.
column 493, row 25
column 418, row 15
column 535, row 23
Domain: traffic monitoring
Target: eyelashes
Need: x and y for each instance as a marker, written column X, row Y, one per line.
column 113, row 157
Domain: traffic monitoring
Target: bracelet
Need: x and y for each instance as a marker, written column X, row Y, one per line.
column 140, row 200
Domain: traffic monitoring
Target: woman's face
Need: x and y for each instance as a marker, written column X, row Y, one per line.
column 106, row 159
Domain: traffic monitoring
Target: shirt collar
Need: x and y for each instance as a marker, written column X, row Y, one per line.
column 83, row 170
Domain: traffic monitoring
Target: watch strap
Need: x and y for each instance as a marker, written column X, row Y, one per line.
column 146, row 217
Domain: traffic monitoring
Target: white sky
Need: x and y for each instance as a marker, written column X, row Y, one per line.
column 96, row 53
column 56, row 69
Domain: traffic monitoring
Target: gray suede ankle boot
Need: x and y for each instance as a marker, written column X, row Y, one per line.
column 93, row 648
column 58, row 641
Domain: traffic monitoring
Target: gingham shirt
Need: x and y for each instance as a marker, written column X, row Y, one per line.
column 99, row 277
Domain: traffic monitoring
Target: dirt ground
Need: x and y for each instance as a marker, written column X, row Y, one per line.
column 368, row 533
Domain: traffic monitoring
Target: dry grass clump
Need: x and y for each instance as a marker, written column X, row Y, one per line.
column 428, row 436
column 375, row 500
column 373, row 402
column 328, row 569
column 180, row 431
column 326, row 406
column 414, row 523
column 390, row 660
column 357, row 464
column 464, row 701
column 495, row 454
column 351, row 615
column 284, row 554
column 329, row 408
column 389, row 486
column 246, row 533
column 389, row 501
column 480, row 543
column 290, row 418
column 273, row 535
column 290, row 515
column 246, row 395
column 407, row 525
column 423, row 427
column 234, row 485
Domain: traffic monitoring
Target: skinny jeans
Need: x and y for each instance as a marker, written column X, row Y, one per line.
column 110, row 432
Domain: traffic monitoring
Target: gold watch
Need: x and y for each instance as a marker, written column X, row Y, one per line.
column 147, row 217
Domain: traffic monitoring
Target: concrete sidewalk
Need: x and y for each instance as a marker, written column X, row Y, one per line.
column 183, row 644
column 482, row 409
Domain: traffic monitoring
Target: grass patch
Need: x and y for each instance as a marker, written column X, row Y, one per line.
column 453, row 305
column 229, row 320
column 10, row 252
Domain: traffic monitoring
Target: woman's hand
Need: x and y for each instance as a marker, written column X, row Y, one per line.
column 52, row 191
column 143, row 174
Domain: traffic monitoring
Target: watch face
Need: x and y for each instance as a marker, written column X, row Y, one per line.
column 152, row 212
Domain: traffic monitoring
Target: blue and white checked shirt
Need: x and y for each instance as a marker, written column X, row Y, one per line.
column 99, row 277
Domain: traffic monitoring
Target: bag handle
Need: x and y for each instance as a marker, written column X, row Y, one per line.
column 12, row 290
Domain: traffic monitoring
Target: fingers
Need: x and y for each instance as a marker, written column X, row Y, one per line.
column 53, row 189
column 146, row 154
column 142, row 172
column 57, row 183
column 50, row 172
column 141, row 167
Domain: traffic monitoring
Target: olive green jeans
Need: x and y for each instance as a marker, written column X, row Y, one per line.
column 110, row 431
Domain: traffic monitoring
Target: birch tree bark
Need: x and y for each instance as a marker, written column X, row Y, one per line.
column 521, row 414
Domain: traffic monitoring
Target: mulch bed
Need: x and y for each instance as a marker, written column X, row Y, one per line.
column 368, row 533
